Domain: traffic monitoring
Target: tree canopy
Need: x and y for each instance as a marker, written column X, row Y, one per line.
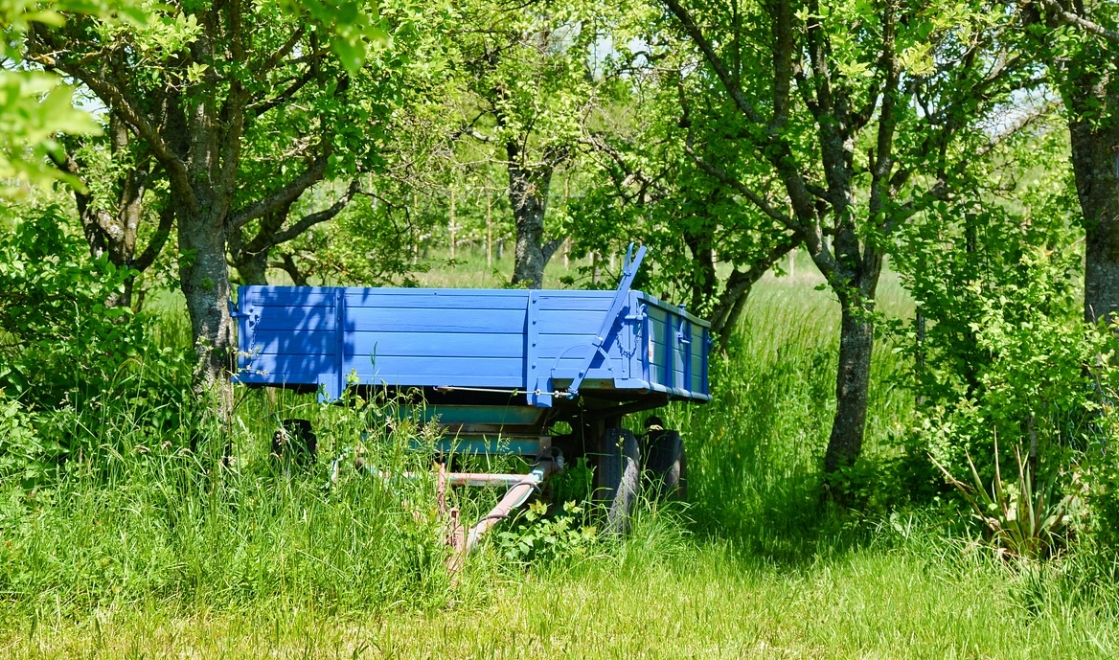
column 340, row 142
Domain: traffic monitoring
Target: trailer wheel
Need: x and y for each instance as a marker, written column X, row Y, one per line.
column 667, row 462
column 294, row 442
column 617, row 477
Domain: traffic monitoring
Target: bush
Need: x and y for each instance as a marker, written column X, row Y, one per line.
column 77, row 376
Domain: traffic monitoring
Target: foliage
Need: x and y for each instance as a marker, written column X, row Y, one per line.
column 1002, row 351
column 22, row 454
column 537, row 537
column 1026, row 518
column 36, row 107
column 642, row 184
column 53, row 314
column 368, row 244
column 1029, row 371
column 842, row 123
column 73, row 368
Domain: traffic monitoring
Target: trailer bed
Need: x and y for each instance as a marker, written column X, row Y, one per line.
column 533, row 342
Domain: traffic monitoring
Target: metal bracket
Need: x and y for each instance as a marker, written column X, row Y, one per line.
column 234, row 311
column 629, row 273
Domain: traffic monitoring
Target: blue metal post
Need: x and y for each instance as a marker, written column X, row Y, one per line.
column 629, row 273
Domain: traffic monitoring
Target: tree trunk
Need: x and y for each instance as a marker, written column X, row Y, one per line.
column 250, row 256
column 253, row 268
column 288, row 265
column 855, row 283
column 1094, row 145
column 204, row 278
column 856, row 341
column 112, row 230
column 704, row 278
column 528, row 195
column 452, row 227
column 489, row 230
column 1083, row 66
column 736, row 290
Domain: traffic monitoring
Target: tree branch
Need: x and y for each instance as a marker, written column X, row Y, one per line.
column 882, row 164
column 316, row 218
column 758, row 201
column 716, row 62
column 158, row 240
column 739, row 283
column 258, row 109
column 550, row 248
column 274, row 59
column 1081, row 22
column 286, row 195
column 116, row 96
column 288, row 265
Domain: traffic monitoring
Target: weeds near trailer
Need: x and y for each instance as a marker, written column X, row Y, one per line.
column 182, row 526
column 164, row 551
column 536, row 536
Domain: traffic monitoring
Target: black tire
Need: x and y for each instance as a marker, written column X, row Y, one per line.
column 667, row 464
column 295, row 442
column 617, row 477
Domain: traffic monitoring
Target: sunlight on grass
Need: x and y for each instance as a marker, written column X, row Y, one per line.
column 871, row 604
column 171, row 557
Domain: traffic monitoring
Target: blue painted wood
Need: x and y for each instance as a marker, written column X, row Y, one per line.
column 537, row 388
column 472, row 414
column 535, row 341
column 610, row 321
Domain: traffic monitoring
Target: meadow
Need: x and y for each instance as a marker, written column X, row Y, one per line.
column 159, row 552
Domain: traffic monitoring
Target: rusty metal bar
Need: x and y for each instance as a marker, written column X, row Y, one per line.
column 463, row 541
column 474, row 479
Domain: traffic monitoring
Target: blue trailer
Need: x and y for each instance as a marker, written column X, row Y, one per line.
column 497, row 368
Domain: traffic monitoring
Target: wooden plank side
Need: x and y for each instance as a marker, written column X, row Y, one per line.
column 304, row 342
column 598, row 304
column 659, row 332
column 697, row 368
column 568, row 366
column 652, row 302
column 551, row 346
column 280, row 319
column 286, row 369
column 456, row 299
column 566, row 322
column 433, row 337
column 568, row 326
column 420, row 371
column 435, row 344
column 497, row 321
column 285, row 296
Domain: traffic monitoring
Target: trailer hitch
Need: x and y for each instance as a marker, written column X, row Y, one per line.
column 463, row 540
column 458, row 537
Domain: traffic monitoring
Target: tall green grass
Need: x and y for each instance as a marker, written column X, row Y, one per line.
column 161, row 522
column 153, row 551
column 755, row 452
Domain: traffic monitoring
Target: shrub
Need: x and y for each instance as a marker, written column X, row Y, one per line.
column 78, row 376
column 1026, row 518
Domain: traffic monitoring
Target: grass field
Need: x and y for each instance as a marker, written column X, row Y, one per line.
column 875, row 602
column 168, row 558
